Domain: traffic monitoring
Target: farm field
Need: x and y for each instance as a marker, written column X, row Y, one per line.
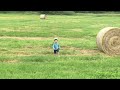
column 26, row 47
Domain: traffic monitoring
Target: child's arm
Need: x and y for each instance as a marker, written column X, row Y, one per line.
column 53, row 47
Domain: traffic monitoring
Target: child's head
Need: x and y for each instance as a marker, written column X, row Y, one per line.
column 55, row 40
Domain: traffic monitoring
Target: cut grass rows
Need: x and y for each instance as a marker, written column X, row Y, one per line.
column 26, row 47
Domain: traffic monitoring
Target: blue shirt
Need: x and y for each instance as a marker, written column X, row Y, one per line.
column 56, row 46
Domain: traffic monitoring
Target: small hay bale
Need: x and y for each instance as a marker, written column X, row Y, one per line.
column 42, row 16
column 108, row 40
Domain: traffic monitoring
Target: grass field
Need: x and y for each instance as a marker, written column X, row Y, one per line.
column 26, row 47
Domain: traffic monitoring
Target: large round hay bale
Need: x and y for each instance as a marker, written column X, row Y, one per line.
column 42, row 16
column 108, row 40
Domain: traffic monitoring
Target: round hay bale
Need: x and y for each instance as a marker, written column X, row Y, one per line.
column 108, row 40
column 42, row 16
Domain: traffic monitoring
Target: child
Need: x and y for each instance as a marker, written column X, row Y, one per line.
column 56, row 46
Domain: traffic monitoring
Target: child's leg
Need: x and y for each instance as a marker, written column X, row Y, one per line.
column 58, row 51
column 55, row 51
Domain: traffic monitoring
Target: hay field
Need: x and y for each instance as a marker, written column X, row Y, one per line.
column 26, row 47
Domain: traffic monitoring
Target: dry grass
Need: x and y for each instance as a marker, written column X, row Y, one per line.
column 11, row 61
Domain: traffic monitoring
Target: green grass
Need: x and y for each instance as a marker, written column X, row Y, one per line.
column 26, row 47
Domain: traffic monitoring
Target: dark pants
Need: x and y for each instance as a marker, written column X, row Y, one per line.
column 56, row 51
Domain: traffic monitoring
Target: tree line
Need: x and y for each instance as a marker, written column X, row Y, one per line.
column 57, row 12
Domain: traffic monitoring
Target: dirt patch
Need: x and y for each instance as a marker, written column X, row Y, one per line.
column 25, row 38
column 37, row 38
column 21, row 53
column 89, row 52
column 79, row 51
column 11, row 61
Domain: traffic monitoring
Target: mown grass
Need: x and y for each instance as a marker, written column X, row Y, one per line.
column 26, row 47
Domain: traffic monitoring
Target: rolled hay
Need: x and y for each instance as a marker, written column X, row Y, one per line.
column 42, row 16
column 108, row 40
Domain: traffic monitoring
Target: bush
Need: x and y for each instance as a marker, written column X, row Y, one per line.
column 68, row 12
column 58, row 12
